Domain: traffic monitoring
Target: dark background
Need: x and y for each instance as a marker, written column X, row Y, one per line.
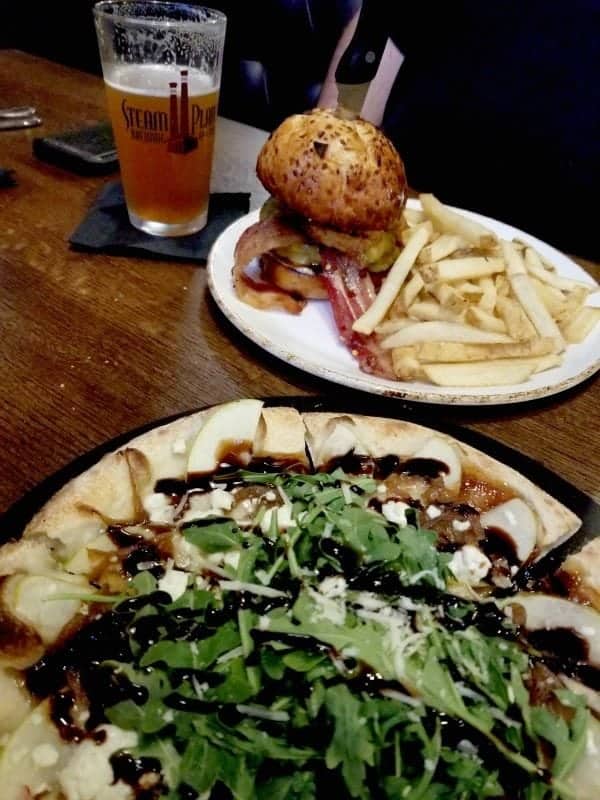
column 276, row 51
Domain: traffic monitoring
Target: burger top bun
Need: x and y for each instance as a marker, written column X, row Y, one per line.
column 343, row 173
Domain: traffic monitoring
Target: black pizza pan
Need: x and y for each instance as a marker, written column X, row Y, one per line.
column 14, row 520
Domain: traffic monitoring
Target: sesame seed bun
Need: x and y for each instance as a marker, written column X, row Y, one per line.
column 343, row 173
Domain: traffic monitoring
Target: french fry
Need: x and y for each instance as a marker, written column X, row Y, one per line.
column 448, row 221
column 573, row 302
column 516, row 320
column 547, row 362
column 583, row 323
column 468, row 288
column 502, row 285
column 488, row 322
column 487, row 301
column 461, row 269
column 448, row 297
column 450, row 352
column 392, row 325
column 460, row 307
column 405, row 365
column 522, row 245
column 527, row 296
column 411, row 290
column 443, row 246
column 408, row 233
column 480, row 373
column 441, row 332
column 413, row 216
column 430, row 310
column 552, row 298
column 392, row 283
column 536, row 268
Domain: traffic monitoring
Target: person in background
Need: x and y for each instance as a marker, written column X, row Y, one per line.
column 495, row 107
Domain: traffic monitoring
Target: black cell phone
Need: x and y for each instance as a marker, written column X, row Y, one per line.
column 87, row 151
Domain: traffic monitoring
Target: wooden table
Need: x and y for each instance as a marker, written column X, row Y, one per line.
column 94, row 345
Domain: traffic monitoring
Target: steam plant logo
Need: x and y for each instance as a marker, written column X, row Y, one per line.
column 180, row 139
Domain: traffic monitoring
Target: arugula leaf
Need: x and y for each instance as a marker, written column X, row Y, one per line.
column 420, row 557
column 193, row 655
column 221, row 536
column 364, row 637
column 298, row 786
column 268, row 713
column 236, row 688
column 365, row 532
column 199, row 765
column 568, row 738
column 351, row 745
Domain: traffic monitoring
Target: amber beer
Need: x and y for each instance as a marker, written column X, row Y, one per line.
column 163, row 119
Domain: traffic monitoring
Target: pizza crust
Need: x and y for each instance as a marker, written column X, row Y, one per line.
column 111, row 490
column 330, row 435
column 582, row 573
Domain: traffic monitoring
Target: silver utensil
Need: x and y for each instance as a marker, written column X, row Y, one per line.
column 17, row 112
column 14, row 124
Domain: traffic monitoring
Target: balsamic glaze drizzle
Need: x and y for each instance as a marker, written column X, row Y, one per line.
column 110, row 636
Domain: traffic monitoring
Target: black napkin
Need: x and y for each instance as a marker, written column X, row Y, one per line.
column 7, row 178
column 106, row 228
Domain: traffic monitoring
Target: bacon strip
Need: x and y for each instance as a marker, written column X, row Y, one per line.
column 351, row 292
column 259, row 238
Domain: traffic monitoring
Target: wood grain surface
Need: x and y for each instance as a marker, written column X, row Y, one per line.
column 94, row 345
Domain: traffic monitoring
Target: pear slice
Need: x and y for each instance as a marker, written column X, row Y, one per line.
column 15, row 701
column 231, row 426
column 44, row 602
column 32, row 756
column 517, row 521
column 585, row 775
column 546, row 612
column 439, row 449
column 80, row 563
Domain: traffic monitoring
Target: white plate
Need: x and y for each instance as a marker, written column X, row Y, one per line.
column 310, row 340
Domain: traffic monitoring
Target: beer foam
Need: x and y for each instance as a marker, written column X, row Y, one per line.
column 153, row 79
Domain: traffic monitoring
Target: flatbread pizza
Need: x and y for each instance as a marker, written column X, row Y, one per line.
column 253, row 602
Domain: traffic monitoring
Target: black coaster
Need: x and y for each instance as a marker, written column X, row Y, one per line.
column 107, row 229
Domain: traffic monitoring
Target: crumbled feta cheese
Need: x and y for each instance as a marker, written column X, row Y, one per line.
column 159, row 507
column 263, row 623
column 371, row 601
column 221, row 500
column 232, row 558
column 433, row 512
column 469, row 565
column 44, row 755
column 395, row 511
column 467, row 747
column 461, row 525
column 382, row 488
column 270, row 495
column 331, row 609
column 206, row 504
column 179, row 447
column 333, row 586
column 174, row 583
column 88, row 774
column 284, row 518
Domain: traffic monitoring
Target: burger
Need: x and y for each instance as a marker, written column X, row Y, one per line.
column 331, row 227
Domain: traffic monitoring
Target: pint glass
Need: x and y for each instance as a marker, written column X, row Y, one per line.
column 162, row 69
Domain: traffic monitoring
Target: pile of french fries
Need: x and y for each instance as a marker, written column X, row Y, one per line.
column 461, row 307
